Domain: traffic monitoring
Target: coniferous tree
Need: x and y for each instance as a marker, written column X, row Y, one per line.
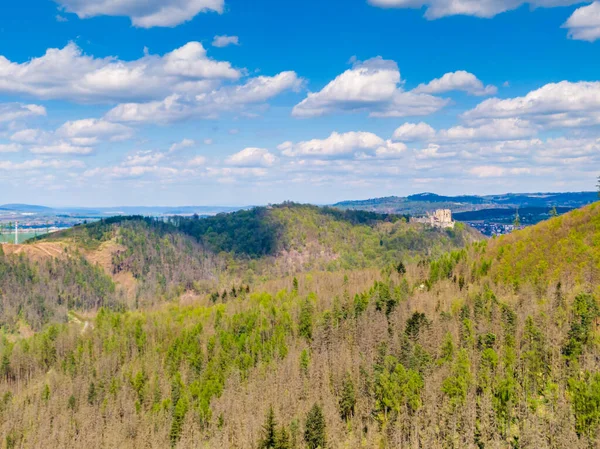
column 305, row 326
column 347, row 400
column 283, row 439
column 269, row 431
column 314, row 432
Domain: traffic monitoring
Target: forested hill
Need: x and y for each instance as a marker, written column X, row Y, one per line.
column 273, row 241
column 489, row 346
column 564, row 250
column 133, row 262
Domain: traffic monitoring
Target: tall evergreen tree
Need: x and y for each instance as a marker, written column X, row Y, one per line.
column 314, row 433
column 347, row 398
column 269, row 437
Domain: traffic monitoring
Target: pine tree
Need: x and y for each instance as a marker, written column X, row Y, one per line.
column 347, row 398
column 283, row 439
column 92, row 394
column 269, row 437
column 305, row 326
column 314, row 433
column 177, row 423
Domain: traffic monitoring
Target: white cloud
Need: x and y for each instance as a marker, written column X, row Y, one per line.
column 489, row 129
column 60, row 148
column 410, row 132
column 30, row 136
column 69, row 74
column 461, row 81
column 251, row 157
column 143, row 14
column 74, row 137
column 39, row 163
column 207, row 105
column 344, row 145
column 143, row 158
column 10, row 148
column 432, row 151
column 493, row 171
column 208, row 141
column 185, row 143
column 232, row 174
column 198, row 161
column 371, row 86
column 136, row 171
column 14, row 111
column 496, row 129
column 563, row 104
column 584, row 23
column 224, row 41
column 91, row 131
column 478, row 8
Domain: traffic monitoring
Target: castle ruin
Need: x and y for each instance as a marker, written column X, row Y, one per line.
column 441, row 218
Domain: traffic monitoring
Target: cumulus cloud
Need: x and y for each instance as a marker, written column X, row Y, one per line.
column 143, row 158
column 584, row 23
column 563, row 104
column 434, row 151
column 496, row 129
column 344, row 145
column 143, row 14
column 206, row 105
column 10, row 148
column 491, row 129
column 185, row 143
column 134, row 171
column 73, row 137
column 14, row 111
column 251, row 157
column 372, row 86
column 91, row 131
column 478, row 8
column 60, row 148
column 36, row 164
column 493, row 171
column 198, row 161
column 410, row 132
column 461, row 81
column 224, row 41
column 69, row 74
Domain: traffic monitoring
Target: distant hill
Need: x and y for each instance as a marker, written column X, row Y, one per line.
column 26, row 208
column 425, row 202
column 167, row 257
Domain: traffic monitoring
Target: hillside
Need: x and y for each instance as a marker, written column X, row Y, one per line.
column 441, row 352
column 172, row 256
column 565, row 249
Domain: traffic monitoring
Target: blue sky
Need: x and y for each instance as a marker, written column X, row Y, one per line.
column 173, row 102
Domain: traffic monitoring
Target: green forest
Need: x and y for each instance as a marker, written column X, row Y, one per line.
column 300, row 327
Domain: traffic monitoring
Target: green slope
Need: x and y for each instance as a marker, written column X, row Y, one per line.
column 407, row 358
